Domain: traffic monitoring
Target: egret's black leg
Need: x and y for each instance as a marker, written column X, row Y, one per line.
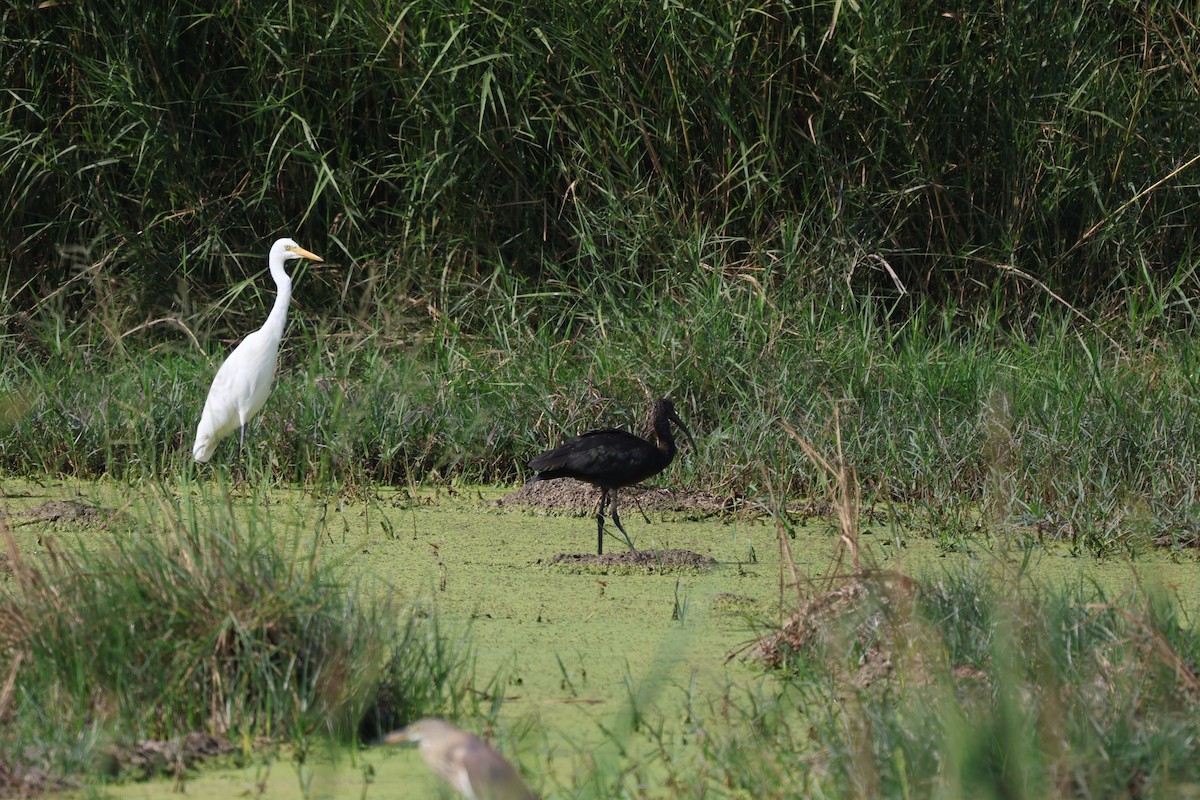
column 617, row 522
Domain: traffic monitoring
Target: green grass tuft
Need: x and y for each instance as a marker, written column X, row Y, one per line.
column 991, row 690
column 199, row 620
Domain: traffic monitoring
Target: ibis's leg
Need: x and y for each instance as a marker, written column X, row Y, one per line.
column 617, row 522
column 600, row 522
column 637, row 502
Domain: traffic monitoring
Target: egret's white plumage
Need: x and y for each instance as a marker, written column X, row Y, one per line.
column 244, row 381
column 464, row 761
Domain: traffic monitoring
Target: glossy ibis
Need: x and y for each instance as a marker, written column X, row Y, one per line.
column 467, row 763
column 611, row 458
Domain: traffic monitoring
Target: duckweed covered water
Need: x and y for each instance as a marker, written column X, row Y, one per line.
column 576, row 656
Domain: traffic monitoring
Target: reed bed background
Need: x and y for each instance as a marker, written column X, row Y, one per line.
column 921, row 152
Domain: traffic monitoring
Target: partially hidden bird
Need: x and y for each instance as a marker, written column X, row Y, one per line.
column 243, row 382
column 611, row 458
column 464, row 761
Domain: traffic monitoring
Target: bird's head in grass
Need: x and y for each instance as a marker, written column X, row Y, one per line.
column 464, row 761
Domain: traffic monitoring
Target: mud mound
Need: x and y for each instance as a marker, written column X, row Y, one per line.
column 154, row 756
column 568, row 493
column 68, row 511
column 660, row 561
column 20, row 781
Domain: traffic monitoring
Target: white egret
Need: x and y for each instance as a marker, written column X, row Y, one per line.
column 467, row 763
column 243, row 382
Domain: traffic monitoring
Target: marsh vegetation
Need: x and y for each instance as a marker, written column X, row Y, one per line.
column 919, row 279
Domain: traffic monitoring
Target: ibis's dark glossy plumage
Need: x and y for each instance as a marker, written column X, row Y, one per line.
column 611, row 458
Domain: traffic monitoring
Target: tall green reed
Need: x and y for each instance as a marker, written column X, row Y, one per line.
column 906, row 150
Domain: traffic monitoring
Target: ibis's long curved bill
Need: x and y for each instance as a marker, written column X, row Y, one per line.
column 675, row 418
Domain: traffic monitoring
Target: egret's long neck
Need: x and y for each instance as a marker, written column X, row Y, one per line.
column 277, row 319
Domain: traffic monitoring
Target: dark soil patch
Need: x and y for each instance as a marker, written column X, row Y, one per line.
column 660, row 561
column 142, row 761
column 18, row 781
column 576, row 495
column 580, row 497
column 68, row 511
column 154, row 757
